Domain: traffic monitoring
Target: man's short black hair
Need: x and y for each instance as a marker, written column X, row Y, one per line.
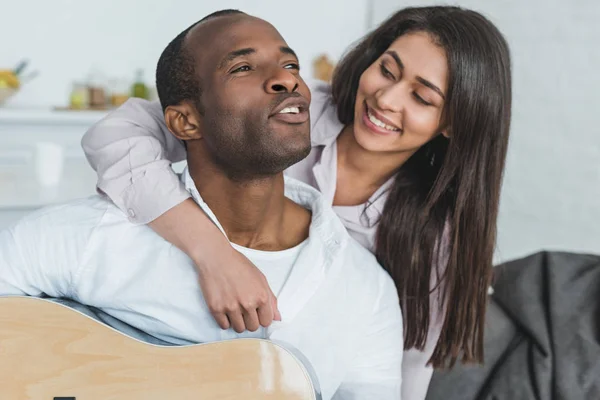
column 175, row 73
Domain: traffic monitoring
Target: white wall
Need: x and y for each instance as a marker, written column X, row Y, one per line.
column 551, row 197
column 551, row 194
column 67, row 38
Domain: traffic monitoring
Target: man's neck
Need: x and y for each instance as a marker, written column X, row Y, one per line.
column 254, row 213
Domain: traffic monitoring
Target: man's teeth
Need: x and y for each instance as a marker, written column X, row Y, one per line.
column 290, row 110
column 380, row 123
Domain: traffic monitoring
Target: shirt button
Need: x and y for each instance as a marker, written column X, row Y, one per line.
column 131, row 213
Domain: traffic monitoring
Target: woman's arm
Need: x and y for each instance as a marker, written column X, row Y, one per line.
column 131, row 150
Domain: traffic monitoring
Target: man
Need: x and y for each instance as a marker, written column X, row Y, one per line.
column 244, row 117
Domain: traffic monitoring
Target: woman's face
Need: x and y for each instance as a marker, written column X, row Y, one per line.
column 400, row 97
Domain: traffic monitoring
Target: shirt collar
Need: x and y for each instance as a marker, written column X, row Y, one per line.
column 325, row 224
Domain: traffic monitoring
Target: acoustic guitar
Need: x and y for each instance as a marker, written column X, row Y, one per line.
column 52, row 352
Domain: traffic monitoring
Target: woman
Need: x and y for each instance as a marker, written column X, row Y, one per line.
column 409, row 145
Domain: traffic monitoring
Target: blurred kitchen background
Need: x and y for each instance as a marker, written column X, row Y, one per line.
column 74, row 60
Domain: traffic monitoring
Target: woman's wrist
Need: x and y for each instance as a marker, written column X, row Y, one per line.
column 204, row 254
column 189, row 229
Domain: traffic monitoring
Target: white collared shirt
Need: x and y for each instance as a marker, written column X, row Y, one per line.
column 338, row 306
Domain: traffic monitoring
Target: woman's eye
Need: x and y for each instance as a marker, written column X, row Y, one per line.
column 421, row 100
column 243, row 68
column 386, row 72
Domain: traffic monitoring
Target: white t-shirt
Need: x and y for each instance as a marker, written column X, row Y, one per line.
column 339, row 307
column 275, row 265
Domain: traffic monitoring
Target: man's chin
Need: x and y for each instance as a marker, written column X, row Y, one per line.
column 282, row 130
column 281, row 160
column 297, row 154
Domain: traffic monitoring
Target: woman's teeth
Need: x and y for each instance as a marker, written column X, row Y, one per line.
column 380, row 123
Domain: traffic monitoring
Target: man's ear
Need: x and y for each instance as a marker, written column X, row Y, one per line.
column 183, row 121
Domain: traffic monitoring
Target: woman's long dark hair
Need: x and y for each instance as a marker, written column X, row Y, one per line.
column 448, row 185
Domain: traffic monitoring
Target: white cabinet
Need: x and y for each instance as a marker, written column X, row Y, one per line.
column 20, row 131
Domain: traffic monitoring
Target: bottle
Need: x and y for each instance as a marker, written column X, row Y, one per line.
column 96, row 95
column 139, row 88
column 79, row 98
column 119, row 91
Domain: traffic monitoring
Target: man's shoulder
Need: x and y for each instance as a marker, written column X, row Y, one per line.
column 295, row 188
column 86, row 212
column 355, row 281
column 81, row 220
column 328, row 228
column 363, row 264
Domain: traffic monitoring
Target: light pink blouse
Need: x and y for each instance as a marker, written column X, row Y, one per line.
column 132, row 150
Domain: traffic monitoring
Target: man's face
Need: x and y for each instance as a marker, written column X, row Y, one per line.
column 255, row 120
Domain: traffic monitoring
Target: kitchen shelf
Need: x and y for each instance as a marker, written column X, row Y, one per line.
column 46, row 116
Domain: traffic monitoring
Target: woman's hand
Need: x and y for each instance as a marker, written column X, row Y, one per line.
column 236, row 292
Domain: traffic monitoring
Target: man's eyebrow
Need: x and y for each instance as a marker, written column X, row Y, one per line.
column 421, row 80
column 287, row 50
column 235, row 54
column 247, row 51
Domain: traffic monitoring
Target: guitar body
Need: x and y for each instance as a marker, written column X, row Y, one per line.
column 49, row 351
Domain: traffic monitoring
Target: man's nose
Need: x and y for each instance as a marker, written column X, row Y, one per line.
column 282, row 81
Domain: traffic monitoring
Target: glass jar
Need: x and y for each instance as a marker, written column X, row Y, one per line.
column 79, row 96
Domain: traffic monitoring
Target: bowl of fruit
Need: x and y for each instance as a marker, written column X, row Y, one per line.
column 9, row 84
column 12, row 79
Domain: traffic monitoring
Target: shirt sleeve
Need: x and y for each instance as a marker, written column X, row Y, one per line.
column 376, row 372
column 42, row 253
column 131, row 150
